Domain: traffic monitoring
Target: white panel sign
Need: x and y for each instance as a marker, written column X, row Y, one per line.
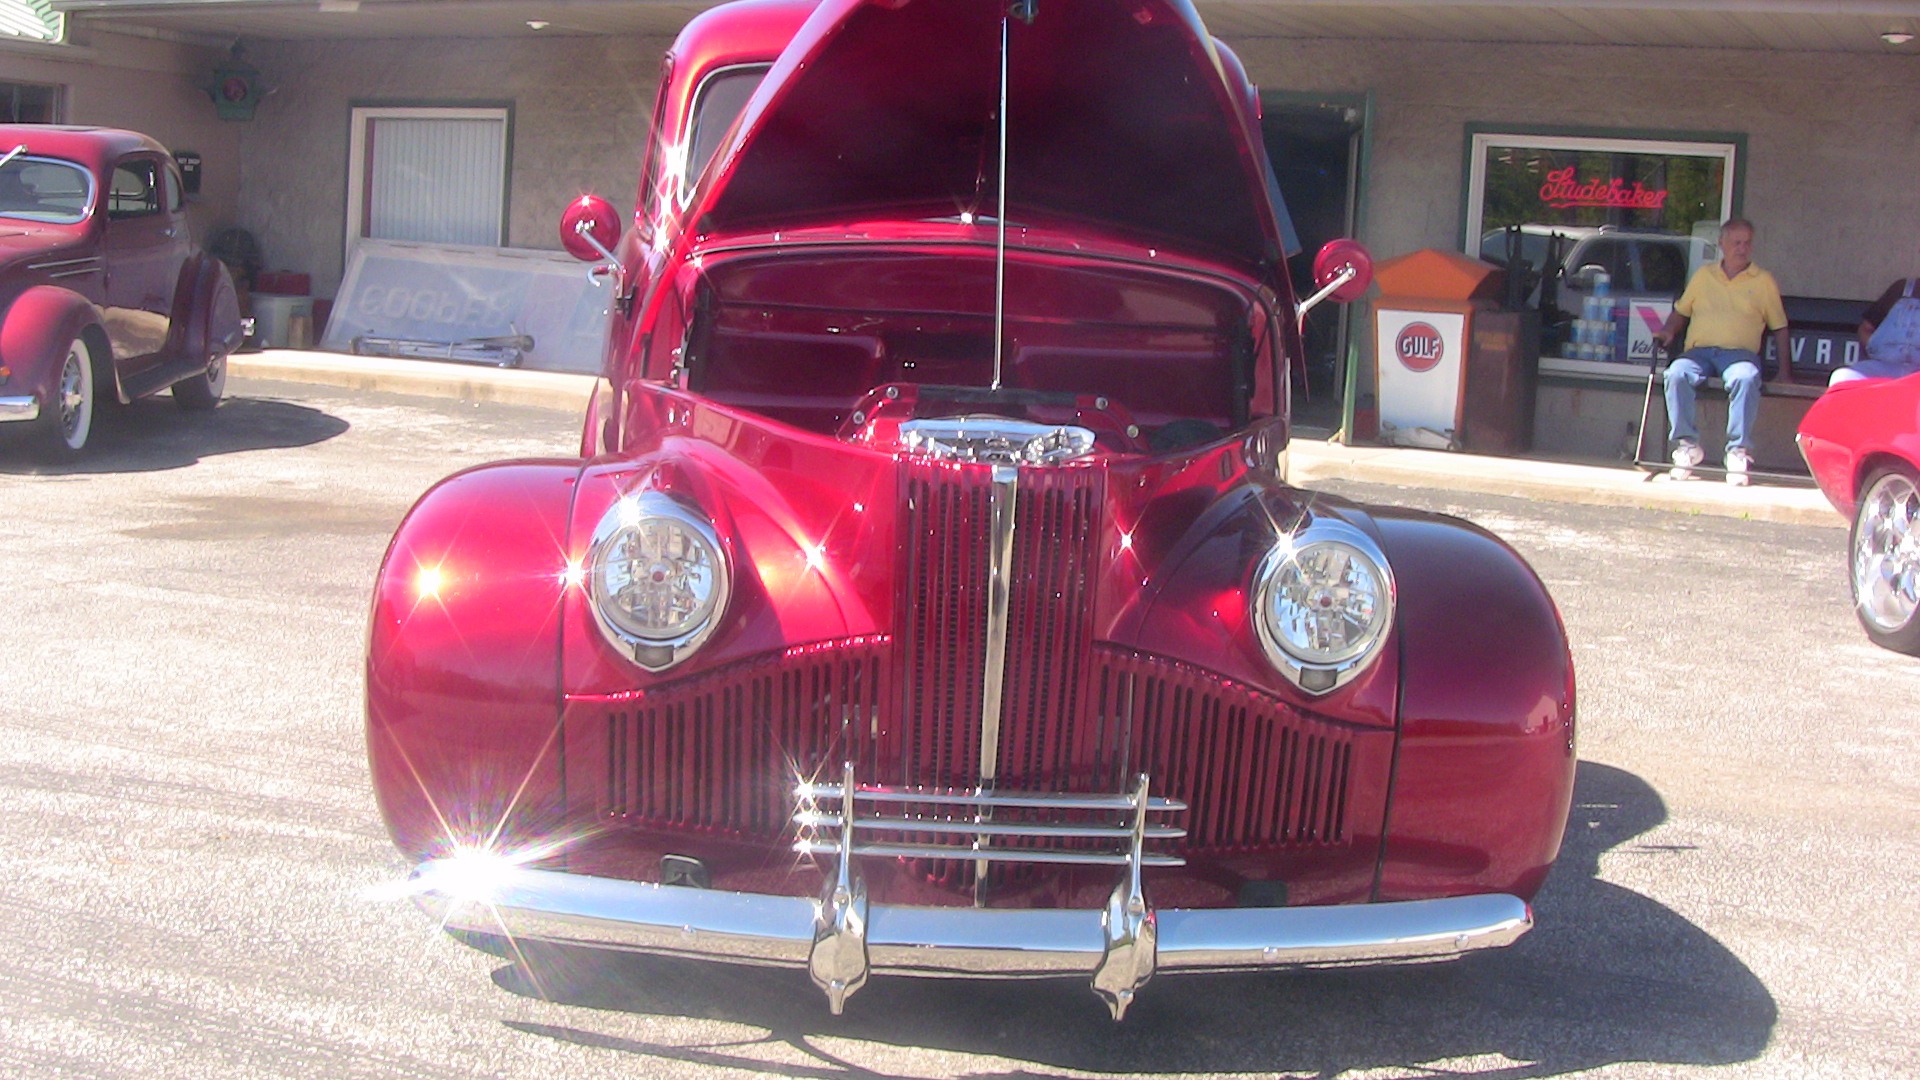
column 447, row 295
column 1420, row 356
column 1645, row 316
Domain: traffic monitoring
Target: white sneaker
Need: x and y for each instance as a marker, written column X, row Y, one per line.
column 1686, row 454
column 1738, row 461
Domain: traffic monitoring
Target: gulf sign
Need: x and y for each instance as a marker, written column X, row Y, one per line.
column 1419, row 347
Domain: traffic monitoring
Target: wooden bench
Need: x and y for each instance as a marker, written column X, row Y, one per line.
column 1796, row 396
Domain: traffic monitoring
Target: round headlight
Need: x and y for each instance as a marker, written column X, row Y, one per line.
column 657, row 577
column 1322, row 603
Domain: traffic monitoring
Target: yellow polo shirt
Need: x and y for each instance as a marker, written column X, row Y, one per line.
column 1731, row 313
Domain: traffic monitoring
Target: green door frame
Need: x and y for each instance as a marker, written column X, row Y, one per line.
column 1361, row 169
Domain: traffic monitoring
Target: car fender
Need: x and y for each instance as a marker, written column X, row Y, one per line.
column 1483, row 773
column 1182, row 588
column 463, row 660
column 212, row 317
column 35, row 331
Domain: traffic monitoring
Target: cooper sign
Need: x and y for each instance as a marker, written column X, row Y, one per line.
column 1419, row 347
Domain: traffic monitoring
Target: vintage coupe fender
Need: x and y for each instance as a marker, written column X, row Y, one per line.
column 1862, row 443
column 103, row 294
column 928, row 598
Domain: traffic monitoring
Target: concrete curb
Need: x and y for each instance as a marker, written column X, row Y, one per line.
column 1522, row 478
column 429, row 378
column 1308, row 460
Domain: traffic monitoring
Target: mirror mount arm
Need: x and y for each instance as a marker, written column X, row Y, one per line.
column 584, row 230
column 1347, row 273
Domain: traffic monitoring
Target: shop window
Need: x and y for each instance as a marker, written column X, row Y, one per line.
column 29, row 103
column 1665, row 267
column 1602, row 233
column 433, row 175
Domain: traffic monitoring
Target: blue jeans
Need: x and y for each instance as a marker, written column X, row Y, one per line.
column 1738, row 369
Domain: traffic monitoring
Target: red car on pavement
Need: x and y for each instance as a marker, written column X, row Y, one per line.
column 928, row 598
column 1862, row 442
column 104, row 296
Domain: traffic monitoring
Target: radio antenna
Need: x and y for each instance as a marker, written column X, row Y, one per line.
column 1023, row 10
column 1000, row 221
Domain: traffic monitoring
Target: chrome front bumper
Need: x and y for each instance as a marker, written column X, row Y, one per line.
column 673, row 920
column 19, row 409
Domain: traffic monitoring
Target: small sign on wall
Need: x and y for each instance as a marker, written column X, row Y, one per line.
column 189, row 162
column 1645, row 316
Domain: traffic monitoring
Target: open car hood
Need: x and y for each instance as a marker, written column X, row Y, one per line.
column 1123, row 114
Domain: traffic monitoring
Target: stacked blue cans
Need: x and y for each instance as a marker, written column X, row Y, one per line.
column 1596, row 332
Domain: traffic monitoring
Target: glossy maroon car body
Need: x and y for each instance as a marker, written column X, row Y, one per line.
column 805, row 362
column 104, row 296
column 1861, row 440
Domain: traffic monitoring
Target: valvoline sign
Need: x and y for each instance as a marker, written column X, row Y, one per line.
column 1419, row 347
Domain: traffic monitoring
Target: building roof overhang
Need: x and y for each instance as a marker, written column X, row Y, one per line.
column 1773, row 25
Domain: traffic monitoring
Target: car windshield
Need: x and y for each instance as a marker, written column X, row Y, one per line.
column 719, row 102
column 45, row 189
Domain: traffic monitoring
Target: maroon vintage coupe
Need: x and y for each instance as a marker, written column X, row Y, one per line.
column 928, row 598
column 1862, row 443
column 103, row 293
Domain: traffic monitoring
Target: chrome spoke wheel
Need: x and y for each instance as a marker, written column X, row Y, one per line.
column 1886, row 554
column 73, row 397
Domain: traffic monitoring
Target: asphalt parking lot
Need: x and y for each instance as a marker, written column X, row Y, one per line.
column 190, row 858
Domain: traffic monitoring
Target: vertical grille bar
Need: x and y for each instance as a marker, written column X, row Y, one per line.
column 1255, row 773
column 1048, row 739
column 720, row 751
column 943, row 600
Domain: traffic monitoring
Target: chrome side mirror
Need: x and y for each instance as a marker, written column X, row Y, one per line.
column 588, row 230
column 1342, row 272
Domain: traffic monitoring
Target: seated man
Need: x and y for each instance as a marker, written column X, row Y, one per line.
column 1889, row 336
column 1728, row 308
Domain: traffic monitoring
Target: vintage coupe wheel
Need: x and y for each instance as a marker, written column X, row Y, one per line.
column 1886, row 560
column 69, row 422
column 203, row 391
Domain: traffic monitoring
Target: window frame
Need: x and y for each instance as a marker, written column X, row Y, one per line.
column 155, row 179
column 1730, row 147
column 361, row 114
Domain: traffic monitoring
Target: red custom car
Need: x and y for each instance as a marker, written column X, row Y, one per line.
column 1862, row 442
column 928, row 598
column 103, row 293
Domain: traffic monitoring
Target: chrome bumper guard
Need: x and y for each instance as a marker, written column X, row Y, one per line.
column 841, row 938
column 22, row 409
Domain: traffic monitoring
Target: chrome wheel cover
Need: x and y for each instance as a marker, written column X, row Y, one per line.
column 1886, row 553
column 74, row 397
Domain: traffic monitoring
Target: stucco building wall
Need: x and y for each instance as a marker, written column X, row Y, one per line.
column 580, row 118
column 1831, row 146
column 148, row 86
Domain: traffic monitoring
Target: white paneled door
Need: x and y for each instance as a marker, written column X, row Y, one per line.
column 434, row 175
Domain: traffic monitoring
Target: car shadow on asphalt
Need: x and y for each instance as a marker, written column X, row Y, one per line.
column 153, row 434
column 1606, row 976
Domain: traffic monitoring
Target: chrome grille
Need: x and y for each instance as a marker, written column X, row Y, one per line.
column 722, row 751
column 942, row 599
column 1044, row 733
column 1256, row 773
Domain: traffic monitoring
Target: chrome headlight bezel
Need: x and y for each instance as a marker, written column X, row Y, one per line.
column 1294, row 561
column 656, row 649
